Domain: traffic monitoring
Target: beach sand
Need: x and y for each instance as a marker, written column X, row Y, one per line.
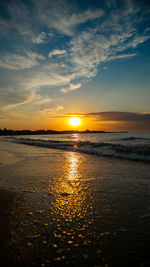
column 63, row 208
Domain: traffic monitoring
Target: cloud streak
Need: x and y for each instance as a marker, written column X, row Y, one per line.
column 119, row 116
column 17, row 62
column 63, row 17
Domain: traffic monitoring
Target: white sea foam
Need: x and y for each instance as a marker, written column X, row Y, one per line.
column 114, row 150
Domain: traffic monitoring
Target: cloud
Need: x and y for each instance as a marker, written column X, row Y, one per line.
column 54, row 110
column 122, row 56
column 139, row 40
column 13, row 100
column 40, row 100
column 17, row 62
column 49, row 75
column 27, row 86
column 70, row 87
column 110, row 39
column 63, row 16
column 120, row 121
column 6, row 115
column 57, row 52
column 14, row 97
column 67, row 23
column 17, row 95
column 39, row 38
column 119, row 116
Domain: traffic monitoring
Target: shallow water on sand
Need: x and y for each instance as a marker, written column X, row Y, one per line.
column 74, row 209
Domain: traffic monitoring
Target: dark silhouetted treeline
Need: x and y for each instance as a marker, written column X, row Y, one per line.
column 44, row 132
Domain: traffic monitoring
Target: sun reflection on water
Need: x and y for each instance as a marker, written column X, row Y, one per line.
column 72, row 198
column 73, row 166
column 72, row 209
column 76, row 137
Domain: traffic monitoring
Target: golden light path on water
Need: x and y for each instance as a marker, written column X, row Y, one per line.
column 71, row 190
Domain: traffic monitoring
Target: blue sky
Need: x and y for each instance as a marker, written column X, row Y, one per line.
column 75, row 57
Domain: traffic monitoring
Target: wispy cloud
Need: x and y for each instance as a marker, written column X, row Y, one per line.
column 39, row 38
column 139, row 40
column 67, row 23
column 70, row 87
column 122, row 56
column 10, row 115
column 108, row 41
column 63, row 17
column 52, row 110
column 17, row 62
column 14, row 97
column 52, row 75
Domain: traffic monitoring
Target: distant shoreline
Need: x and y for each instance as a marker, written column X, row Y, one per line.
column 6, row 132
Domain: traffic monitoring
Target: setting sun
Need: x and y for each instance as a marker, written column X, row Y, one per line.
column 75, row 121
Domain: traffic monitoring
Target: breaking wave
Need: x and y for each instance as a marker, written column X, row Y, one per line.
column 135, row 139
column 113, row 150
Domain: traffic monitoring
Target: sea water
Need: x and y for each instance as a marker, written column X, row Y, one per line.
column 131, row 146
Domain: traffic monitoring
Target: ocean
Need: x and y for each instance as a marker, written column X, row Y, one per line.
column 131, row 146
column 75, row 200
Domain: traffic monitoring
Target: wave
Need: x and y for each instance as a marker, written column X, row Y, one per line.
column 136, row 152
column 135, row 139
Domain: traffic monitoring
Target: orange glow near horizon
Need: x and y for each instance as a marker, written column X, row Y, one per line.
column 62, row 123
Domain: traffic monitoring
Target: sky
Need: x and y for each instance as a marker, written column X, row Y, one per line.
column 86, row 58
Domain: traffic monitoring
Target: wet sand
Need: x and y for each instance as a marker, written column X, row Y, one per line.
column 64, row 208
column 7, row 158
column 6, row 200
